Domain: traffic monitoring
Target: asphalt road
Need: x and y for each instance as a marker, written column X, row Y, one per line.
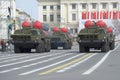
column 61, row 65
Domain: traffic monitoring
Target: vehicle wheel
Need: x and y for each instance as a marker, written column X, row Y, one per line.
column 47, row 49
column 39, row 48
column 105, row 48
column 70, row 46
column 81, row 48
column 112, row 45
column 65, row 46
column 87, row 49
column 43, row 46
column 17, row 49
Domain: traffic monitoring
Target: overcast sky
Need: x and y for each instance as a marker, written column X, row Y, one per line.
column 29, row 6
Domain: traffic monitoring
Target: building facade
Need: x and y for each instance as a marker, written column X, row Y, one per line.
column 68, row 13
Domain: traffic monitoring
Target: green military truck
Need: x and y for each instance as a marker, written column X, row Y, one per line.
column 61, row 39
column 97, row 37
column 30, row 38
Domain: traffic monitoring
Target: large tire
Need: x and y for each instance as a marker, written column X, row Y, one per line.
column 65, row 46
column 43, row 46
column 39, row 48
column 112, row 45
column 47, row 49
column 17, row 49
column 70, row 46
column 81, row 49
column 105, row 47
column 87, row 49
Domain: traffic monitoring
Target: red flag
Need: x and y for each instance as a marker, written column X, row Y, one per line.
column 106, row 15
column 101, row 15
column 95, row 16
column 83, row 15
column 117, row 14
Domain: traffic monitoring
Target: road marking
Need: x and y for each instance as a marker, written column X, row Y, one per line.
column 29, row 60
column 54, row 64
column 65, row 65
column 29, row 56
column 12, row 57
column 29, row 65
column 98, row 64
column 67, row 68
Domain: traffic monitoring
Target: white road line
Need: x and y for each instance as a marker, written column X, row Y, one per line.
column 29, row 56
column 54, row 64
column 74, row 65
column 12, row 56
column 6, row 55
column 98, row 64
column 29, row 60
column 29, row 65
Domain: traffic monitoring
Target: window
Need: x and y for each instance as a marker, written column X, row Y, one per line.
column 51, row 17
column 73, row 16
column 35, row 32
column 114, row 5
column 94, row 5
column 104, row 5
column 73, row 6
column 58, row 7
column 76, row 30
column 84, row 6
column 44, row 7
column 58, row 17
column 51, row 7
column 44, row 18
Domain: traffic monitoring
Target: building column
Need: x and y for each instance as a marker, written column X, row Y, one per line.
column 62, row 14
column 48, row 14
column 110, row 9
column 79, row 12
column 40, row 15
column 119, row 10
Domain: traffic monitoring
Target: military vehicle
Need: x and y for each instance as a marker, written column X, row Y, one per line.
column 60, row 38
column 31, row 37
column 95, row 35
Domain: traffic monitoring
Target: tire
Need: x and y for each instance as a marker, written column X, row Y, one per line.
column 112, row 45
column 17, row 49
column 39, row 48
column 87, row 49
column 81, row 48
column 105, row 47
column 43, row 46
column 47, row 49
column 65, row 46
column 70, row 46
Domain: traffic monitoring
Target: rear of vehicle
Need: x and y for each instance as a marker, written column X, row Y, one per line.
column 60, row 39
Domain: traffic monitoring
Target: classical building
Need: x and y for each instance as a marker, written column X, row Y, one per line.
column 68, row 13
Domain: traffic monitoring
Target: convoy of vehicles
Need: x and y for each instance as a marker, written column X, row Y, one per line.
column 96, row 35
